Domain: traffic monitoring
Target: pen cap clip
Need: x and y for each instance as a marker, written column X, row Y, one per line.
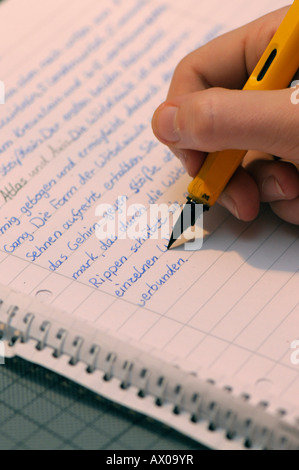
column 281, row 57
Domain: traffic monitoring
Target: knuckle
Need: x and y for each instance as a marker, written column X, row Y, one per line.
column 204, row 119
column 265, row 33
column 264, row 30
column 183, row 66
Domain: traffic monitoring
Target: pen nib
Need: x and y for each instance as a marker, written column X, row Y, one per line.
column 186, row 220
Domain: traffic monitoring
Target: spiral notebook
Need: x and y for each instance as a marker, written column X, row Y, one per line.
column 205, row 340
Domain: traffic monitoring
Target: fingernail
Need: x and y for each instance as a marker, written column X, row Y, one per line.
column 271, row 188
column 166, row 124
column 229, row 204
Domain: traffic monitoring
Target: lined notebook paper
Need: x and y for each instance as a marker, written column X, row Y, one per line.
column 82, row 82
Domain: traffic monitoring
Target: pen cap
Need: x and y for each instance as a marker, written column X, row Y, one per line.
column 280, row 61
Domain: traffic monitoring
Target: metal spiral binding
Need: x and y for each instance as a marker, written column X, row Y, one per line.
column 19, row 326
column 179, row 396
column 249, row 434
column 161, row 386
column 126, row 375
column 196, row 402
column 44, row 331
column 108, row 366
column 27, row 320
column 230, row 426
column 144, row 378
column 61, row 337
column 231, row 418
column 2, row 324
column 214, row 409
column 75, row 356
column 94, row 353
column 12, row 312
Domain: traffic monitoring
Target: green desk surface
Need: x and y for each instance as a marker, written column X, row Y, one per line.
column 41, row 410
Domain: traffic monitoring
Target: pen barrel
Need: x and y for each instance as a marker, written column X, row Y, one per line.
column 280, row 61
column 274, row 71
column 218, row 167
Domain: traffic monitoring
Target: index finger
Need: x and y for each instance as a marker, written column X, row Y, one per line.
column 228, row 60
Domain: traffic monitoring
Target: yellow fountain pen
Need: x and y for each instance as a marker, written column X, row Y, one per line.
column 274, row 71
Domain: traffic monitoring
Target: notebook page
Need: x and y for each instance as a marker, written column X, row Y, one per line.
column 80, row 92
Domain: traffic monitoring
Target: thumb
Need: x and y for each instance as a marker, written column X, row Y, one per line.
column 219, row 119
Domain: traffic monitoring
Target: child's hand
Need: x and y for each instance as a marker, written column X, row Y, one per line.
column 205, row 111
